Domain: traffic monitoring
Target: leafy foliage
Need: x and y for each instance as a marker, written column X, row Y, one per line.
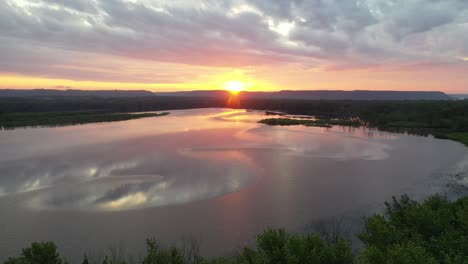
column 432, row 232
column 442, row 119
column 435, row 231
column 155, row 254
column 278, row 246
column 38, row 253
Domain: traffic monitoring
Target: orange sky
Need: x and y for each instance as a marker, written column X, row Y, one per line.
column 263, row 45
column 451, row 80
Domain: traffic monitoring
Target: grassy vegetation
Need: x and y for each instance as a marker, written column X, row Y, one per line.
column 14, row 120
column 442, row 119
column 309, row 122
column 461, row 137
column 433, row 231
column 407, row 124
column 291, row 122
column 343, row 122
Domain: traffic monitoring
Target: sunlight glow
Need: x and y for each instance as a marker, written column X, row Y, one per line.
column 31, row 82
column 235, row 86
column 283, row 28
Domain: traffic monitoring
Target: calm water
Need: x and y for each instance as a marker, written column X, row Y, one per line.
column 212, row 174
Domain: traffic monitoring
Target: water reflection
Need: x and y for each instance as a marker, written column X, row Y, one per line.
column 137, row 173
column 209, row 172
column 189, row 156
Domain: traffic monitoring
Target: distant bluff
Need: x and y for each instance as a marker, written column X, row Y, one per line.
column 322, row 95
column 285, row 94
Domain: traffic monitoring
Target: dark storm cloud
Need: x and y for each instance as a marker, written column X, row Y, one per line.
column 232, row 33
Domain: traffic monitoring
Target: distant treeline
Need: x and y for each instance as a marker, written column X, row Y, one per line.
column 377, row 111
column 104, row 104
column 51, row 119
column 284, row 94
column 443, row 118
column 432, row 232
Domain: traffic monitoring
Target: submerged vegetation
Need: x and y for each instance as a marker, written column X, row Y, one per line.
column 13, row 120
column 309, row 122
column 442, row 119
column 291, row 122
column 430, row 232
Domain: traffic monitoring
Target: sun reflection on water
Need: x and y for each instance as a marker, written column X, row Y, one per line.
column 205, row 155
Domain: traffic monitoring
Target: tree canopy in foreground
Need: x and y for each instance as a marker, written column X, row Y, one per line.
column 430, row 232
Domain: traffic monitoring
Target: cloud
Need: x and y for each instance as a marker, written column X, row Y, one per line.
column 78, row 5
column 38, row 35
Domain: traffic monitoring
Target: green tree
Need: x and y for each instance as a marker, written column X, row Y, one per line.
column 434, row 231
column 38, row 253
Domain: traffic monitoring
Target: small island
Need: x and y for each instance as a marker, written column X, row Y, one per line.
column 52, row 119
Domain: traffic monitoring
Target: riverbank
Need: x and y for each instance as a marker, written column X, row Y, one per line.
column 460, row 137
column 51, row 119
column 394, row 127
column 443, row 119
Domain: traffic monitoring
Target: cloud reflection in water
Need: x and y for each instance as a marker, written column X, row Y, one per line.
column 121, row 188
column 158, row 169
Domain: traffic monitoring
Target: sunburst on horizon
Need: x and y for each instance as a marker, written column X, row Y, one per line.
column 235, row 86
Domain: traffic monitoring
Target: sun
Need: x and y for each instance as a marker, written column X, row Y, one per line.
column 235, row 86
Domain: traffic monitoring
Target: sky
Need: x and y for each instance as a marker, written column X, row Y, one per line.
column 172, row 45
